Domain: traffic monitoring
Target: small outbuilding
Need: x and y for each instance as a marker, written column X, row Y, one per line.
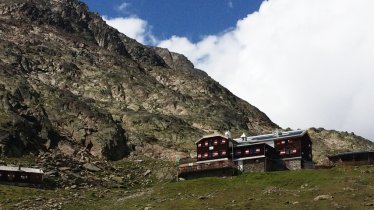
column 21, row 174
column 353, row 158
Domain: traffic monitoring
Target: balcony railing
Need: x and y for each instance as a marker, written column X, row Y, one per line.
column 197, row 167
column 187, row 160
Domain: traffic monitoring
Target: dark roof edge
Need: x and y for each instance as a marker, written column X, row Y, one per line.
column 350, row 153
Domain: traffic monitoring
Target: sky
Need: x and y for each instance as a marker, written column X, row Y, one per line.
column 188, row 18
column 304, row 63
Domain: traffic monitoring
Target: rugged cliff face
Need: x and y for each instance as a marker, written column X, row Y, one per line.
column 330, row 142
column 68, row 80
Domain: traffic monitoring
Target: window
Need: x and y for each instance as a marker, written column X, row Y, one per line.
column 283, row 142
column 215, row 142
column 206, row 143
column 282, row 152
column 199, row 145
column 247, row 151
column 199, row 156
column 223, row 153
column 11, row 176
column 215, row 154
column 290, row 141
column 24, row 177
column 294, row 151
column 210, row 154
column 205, row 155
column 258, row 150
column 238, row 152
column 223, row 141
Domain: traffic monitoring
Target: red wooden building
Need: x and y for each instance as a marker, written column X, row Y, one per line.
column 353, row 158
column 20, row 174
column 257, row 157
column 294, row 147
column 213, row 158
column 218, row 154
column 212, row 148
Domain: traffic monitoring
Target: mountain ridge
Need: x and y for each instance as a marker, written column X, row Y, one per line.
column 70, row 81
column 101, row 90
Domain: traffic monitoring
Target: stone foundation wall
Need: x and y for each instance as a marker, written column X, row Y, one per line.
column 293, row 164
column 256, row 165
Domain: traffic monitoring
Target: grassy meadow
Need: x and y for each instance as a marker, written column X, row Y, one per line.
column 336, row 188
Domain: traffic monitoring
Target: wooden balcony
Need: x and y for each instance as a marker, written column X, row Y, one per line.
column 202, row 167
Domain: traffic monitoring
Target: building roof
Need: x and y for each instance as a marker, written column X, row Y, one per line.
column 243, row 144
column 21, row 169
column 271, row 137
column 210, row 136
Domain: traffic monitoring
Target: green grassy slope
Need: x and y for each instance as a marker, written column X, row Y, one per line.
column 349, row 188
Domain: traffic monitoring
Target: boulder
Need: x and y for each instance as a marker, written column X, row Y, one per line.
column 323, row 197
column 91, row 167
column 147, row 172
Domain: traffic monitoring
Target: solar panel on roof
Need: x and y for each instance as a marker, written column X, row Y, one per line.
column 262, row 137
column 296, row 132
column 272, row 136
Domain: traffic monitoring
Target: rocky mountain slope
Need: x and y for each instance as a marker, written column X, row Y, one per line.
column 330, row 142
column 69, row 81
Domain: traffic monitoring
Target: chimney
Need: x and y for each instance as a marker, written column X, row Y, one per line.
column 244, row 137
column 228, row 134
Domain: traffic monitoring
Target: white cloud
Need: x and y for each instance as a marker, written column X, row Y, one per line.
column 123, row 6
column 304, row 63
column 133, row 27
